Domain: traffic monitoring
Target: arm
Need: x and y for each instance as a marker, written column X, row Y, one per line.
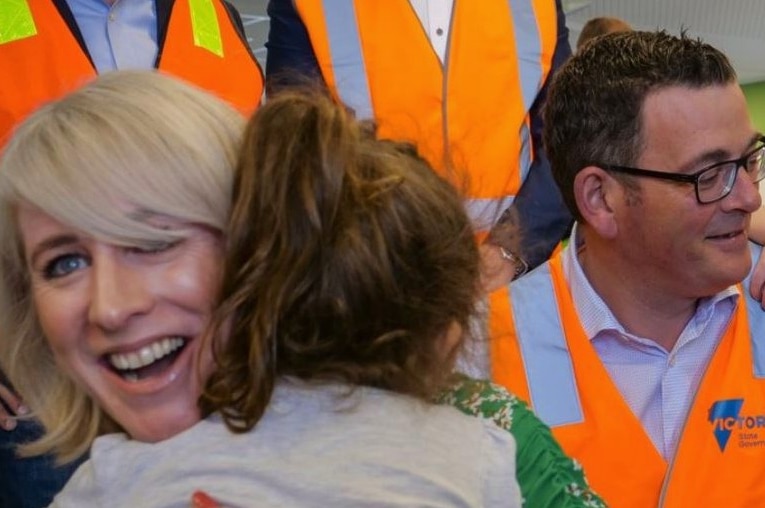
column 290, row 60
column 547, row 477
column 29, row 481
column 538, row 212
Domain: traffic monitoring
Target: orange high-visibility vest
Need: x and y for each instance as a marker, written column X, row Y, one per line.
column 468, row 116
column 540, row 351
column 40, row 59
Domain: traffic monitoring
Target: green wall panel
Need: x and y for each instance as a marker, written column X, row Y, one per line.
column 755, row 98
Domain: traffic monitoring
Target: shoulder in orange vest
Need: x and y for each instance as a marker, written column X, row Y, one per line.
column 43, row 61
column 469, row 116
column 540, row 351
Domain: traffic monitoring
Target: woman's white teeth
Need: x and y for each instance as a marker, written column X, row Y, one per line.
column 146, row 355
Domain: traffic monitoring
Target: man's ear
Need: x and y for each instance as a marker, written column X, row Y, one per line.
column 597, row 195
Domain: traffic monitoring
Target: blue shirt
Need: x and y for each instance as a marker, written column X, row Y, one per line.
column 123, row 36
column 658, row 385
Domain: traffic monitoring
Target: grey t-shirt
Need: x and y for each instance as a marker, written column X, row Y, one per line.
column 312, row 448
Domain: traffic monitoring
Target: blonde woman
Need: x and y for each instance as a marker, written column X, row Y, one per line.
column 113, row 204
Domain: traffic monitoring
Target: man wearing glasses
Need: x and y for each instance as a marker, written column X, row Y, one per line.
column 637, row 344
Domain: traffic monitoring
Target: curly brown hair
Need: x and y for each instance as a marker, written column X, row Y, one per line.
column 348, row 258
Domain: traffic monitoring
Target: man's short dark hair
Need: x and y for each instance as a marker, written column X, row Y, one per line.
column 592, row 113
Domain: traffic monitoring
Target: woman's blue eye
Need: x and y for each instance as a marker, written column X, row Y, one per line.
column 64, row 265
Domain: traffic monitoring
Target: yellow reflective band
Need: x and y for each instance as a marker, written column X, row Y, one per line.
column 16, row 21
column 204, row 25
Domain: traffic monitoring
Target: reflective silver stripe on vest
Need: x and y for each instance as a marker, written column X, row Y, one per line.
column 484, row 213
column 756, row 319
column 549, row 371
column 529, row 47
column 524, row 160
column 347, row 58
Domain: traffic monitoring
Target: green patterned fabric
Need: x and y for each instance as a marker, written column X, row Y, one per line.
column 547, row 477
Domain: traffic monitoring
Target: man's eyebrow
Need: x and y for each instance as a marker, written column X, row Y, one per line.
column 719, row 155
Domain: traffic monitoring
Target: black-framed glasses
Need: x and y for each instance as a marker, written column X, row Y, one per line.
column 713, row 182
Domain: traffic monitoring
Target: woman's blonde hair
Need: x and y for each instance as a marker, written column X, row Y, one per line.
column 348, row 258
column 137, row 138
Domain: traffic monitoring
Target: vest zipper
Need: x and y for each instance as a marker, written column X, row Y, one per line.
column 671, row 464
column 447, row 158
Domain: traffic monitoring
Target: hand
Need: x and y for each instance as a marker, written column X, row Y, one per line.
column 498, row 267
column 10, row 407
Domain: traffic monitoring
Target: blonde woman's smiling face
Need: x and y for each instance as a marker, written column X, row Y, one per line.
column 125, row 323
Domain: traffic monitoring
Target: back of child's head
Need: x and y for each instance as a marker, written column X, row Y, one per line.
column 348, row 259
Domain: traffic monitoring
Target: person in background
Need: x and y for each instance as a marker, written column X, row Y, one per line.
column 637, row 344
column 595, row 27
column 604, row 25
column 54, row 46
column 314, row 379
column 135, row 192
column 464, row 81
column 51, row 47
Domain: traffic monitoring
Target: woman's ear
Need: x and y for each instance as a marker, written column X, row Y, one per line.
column 597, row 195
